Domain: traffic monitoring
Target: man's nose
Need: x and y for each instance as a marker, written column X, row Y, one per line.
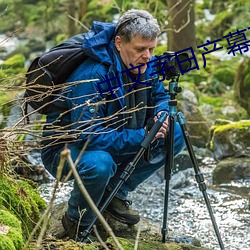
column 146, row 55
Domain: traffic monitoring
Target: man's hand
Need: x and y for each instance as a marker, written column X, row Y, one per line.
column 164, row 128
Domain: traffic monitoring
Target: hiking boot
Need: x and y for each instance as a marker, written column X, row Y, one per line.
column 75, row 231
column 121, row 211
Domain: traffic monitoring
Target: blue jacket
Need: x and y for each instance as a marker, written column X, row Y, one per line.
column 94, row 114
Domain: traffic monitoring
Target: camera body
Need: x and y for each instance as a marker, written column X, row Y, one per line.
column 173, row 64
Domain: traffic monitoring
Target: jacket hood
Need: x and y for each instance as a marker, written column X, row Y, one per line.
column 98, row 42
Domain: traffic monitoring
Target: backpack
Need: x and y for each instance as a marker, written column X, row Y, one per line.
column 47, row 74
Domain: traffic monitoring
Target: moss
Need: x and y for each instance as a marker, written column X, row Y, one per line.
column 214, row 101
column 9, row 219
column 234, row 125
column 224, row 75
column 16, row 237
column 6, row 243
column 238, row 128
column 221, row 122
column 22, row 200
column 13, row 71
column 128, row 244
column 220, row 102
column 13, row 239
column 16, row 61
column 65, row 245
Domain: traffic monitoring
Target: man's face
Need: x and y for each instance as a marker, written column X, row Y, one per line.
column 137, row 52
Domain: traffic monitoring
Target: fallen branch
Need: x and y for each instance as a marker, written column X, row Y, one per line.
column 65, row 154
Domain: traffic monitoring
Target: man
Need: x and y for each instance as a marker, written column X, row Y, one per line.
column 108, row 116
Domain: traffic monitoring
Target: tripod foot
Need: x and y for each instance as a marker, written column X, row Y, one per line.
column 164, row 232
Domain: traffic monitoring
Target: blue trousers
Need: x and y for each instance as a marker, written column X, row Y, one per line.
column 100, row 170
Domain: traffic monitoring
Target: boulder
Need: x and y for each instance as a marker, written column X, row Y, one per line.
column 230, row 140
column 230, row 143
column 231, row 169
column 149, row 238
column 197, row 125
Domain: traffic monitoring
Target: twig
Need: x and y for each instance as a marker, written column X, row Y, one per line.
column 137, row 236
column 66, row 154
column 99, row 238
column 77, row 21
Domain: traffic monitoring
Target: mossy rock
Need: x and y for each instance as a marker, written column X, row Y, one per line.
column 219, row 107
column 150, row 235
column 128, row 244
column 21, row 199
column 11, row 237
column 231, row 139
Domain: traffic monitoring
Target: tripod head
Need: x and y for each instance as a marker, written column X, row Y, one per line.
column 174, row 89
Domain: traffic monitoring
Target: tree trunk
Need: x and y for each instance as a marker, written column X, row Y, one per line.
column 181, row 34
column 83, row 7
column 72, row 13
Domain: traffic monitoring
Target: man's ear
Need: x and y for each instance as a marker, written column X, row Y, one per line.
column 118, row 42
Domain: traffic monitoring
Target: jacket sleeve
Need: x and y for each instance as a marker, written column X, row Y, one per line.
column 88, row 120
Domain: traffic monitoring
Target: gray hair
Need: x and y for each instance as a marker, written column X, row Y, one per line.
column 137, row 22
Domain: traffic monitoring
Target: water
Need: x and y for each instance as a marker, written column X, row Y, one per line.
column 187, row 212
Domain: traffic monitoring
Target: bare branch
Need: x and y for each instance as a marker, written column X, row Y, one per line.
column 66, row 154
column 77, row 21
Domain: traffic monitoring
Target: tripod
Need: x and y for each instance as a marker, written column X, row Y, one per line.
column 173, row 90
column 169, row 163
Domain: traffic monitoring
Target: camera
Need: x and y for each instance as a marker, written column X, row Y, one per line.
column 171, row 64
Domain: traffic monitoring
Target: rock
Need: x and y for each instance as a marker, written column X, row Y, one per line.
column 197, row 125
column 228, row 110
column 181, row 179
column 149, row 238
column 231, row 169
column 20, row 209
column 231, row 139
column 188, row 95
column 230, row 143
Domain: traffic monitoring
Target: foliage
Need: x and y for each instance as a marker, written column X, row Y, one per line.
column 12, row 71
column 54, row 17
column 242, row 84
column 214, row 75
column 228, row 16
column 22, row 200
column 13, row 238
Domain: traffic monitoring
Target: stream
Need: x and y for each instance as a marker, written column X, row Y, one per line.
column 187, row 212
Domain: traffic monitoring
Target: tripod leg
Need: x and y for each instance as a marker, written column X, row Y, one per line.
column 129, row 169
column 168, row 173
column 199, row 176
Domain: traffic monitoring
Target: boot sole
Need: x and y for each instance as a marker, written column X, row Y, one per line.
column 121, row 219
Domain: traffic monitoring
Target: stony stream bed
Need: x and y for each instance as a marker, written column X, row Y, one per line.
column 187, row 212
